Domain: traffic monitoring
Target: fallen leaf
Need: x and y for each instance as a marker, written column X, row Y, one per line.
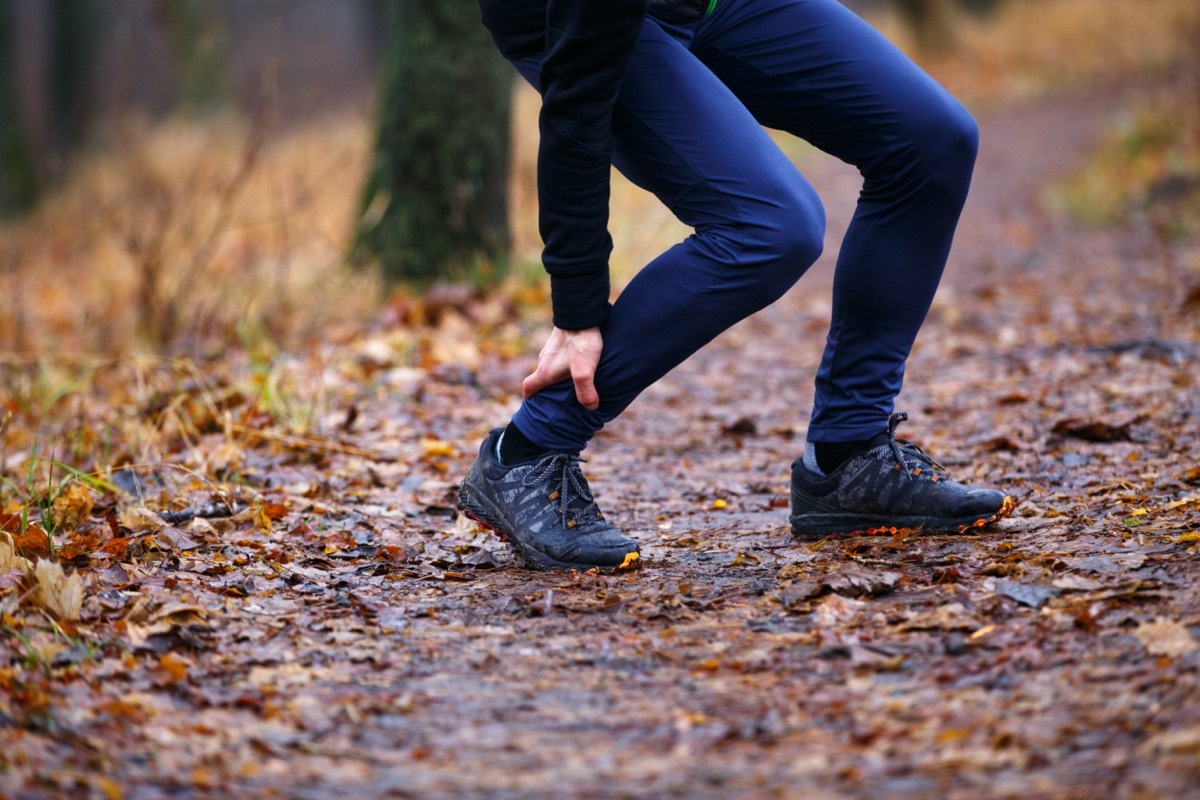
column 58, row 593
column 9, row 558
column 141, row 622
column 1102, row 565
column 72, row 507
column 175, row 540
column 140, row 520
column 836, row 610
column 174, row 668
column 1187, row 501
column 744, row 426
column 853, row 580
column 274, row 511
column 1165, row 637
column 1129, row 560
column 481, row 558
column 1076, row 583
column 1184, row 742
column 28, row 540
column 434, row 448
column 796, row 592
column 1094, row 430
column 1025, row 593
column 948, row 617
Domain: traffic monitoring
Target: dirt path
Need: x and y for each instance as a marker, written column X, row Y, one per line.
column 370, row 644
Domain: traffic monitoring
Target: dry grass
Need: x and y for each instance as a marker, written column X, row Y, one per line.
column 191, row 235
column 1030, row 47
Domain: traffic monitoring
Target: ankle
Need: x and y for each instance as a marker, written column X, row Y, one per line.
column 831, row 455
column 516, row 448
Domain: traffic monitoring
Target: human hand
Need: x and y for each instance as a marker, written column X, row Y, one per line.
column 569, row 354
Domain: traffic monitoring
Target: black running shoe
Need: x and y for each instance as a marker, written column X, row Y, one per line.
column 544, row 510
column 893, row 487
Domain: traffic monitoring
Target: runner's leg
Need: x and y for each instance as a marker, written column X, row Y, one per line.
column 814, row 69
column 681, row 134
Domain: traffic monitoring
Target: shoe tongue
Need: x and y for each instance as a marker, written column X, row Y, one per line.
column 880, row 440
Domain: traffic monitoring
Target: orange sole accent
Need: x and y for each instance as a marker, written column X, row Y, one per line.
column 632, row 560
column 1007, row 507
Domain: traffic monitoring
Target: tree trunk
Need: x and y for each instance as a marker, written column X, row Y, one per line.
column 435, row 201
column 196, row 28
column 18, row 173
column 931, row 22
column 72, row 56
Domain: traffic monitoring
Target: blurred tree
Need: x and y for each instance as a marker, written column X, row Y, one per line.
column 201, row 46
column 18, row 177
column 435, row 201
column 73, row 35
column 36, row 138
column 932, row 21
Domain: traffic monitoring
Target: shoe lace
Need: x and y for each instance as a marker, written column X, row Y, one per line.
column 569, row 488
column 908, row 456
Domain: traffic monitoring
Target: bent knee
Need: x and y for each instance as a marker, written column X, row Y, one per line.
column 936, row 150
column 797, row 229
column 946, row 145
column 786, row 236
column 955, row 136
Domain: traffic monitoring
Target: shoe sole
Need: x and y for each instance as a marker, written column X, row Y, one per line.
column 485, row 513
column 814, row 527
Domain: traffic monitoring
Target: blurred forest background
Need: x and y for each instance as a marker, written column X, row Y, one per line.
column 179, row 175
column 270, row 268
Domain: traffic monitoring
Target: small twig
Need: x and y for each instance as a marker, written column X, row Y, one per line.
column 317, row 445
column 207, row 511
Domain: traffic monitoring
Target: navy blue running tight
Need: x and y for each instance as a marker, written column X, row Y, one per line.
column 687, row 127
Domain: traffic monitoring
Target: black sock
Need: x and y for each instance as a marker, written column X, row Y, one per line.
column 515, row 448
column 831, row 455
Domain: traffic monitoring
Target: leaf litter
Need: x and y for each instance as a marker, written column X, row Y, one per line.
column 269, row 596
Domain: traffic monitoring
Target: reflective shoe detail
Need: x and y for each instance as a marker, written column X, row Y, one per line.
column 894, row 487
column 544, row 510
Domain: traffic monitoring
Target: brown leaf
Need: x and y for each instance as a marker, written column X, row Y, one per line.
column 72, row 506
column 481, row 558
column 174, row 668
column 140, row 520
column 274, row 511
column 143, row 620
column 744, row 426
column 28, row 540
column 1005, row 444
column 1095, row 430
column 1027, row 594
column 175, row 540
column 835, row 611
column 57, row 592
column 1165, row 637
column 1076, row 583
column 948, row 617
column 796, row 592
column 853, row 580
column 9, row 558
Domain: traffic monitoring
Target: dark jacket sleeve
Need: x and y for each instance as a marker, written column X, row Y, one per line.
column 588, row 47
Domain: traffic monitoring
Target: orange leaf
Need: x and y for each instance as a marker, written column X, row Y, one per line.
column 174, row 668
column 29, row 541
column 274, row 510
column 117, row 548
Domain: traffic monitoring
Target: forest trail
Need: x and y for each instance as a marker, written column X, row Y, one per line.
column 365, row 641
